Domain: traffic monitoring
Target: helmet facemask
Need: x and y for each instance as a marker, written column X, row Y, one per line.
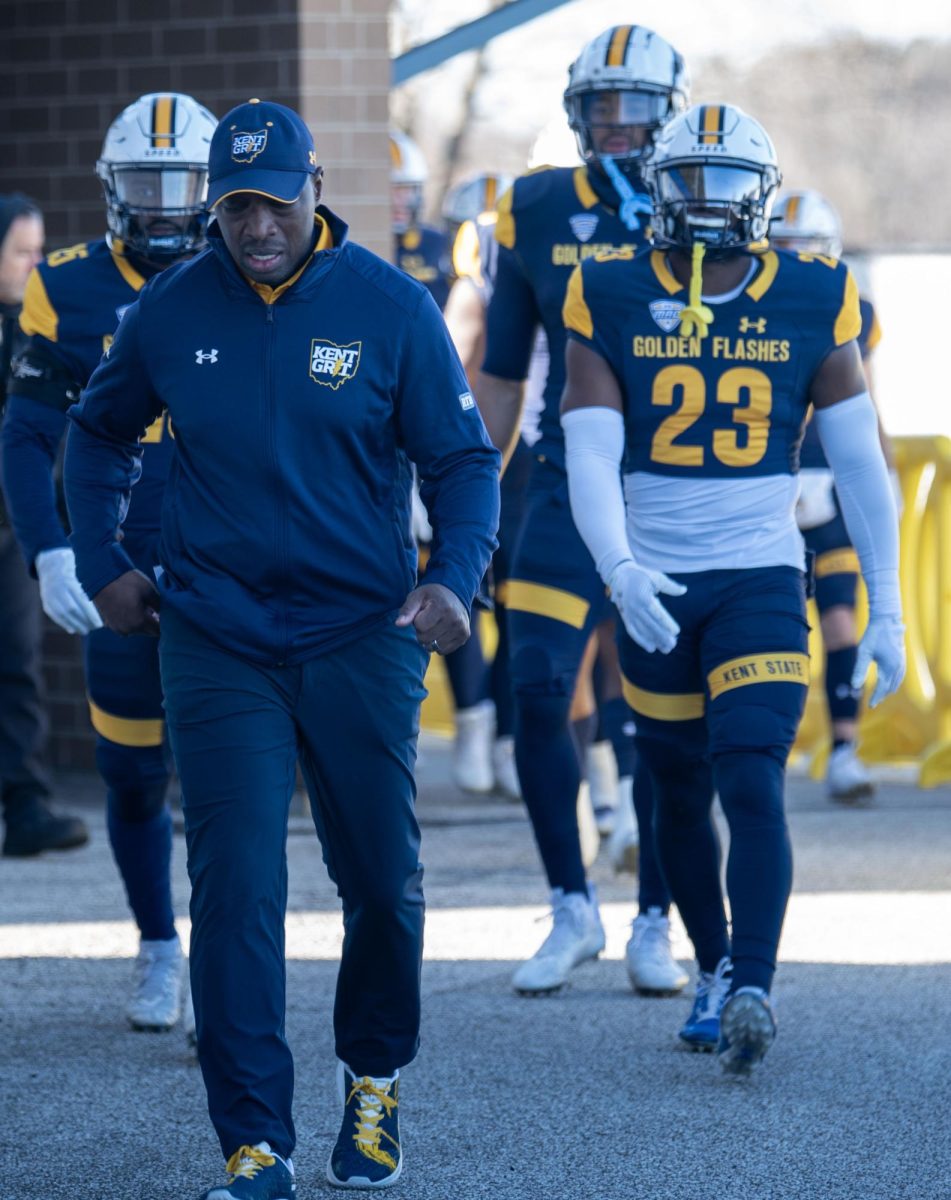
column 722, row 205
column 156, row 210
column 406, row 201
column 619, row 123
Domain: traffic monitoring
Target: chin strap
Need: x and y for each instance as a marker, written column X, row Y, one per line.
column 696, row 317
column 632, row 203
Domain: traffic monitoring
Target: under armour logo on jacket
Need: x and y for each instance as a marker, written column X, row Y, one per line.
column 203, row 356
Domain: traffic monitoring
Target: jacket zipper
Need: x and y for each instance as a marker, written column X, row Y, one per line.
column 269, row 401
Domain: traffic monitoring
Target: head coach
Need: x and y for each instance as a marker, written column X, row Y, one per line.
column 302, row 376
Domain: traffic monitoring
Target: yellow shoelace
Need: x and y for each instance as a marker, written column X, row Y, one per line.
column 695, row 318
column 247, row 1161
column 374, row 1102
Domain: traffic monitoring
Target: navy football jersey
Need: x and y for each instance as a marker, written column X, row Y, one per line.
column 731, row 404
column 74, row 301
column 424, row 253
column 549, row 221
column 812, row 455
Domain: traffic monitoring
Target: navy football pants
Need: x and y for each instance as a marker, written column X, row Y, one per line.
column 237, row 729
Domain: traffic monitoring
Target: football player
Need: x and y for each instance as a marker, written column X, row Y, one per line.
column 153, row 170
column 805, row 222
column 483, row 749
column 420, row 250
column 695, row 366
column 622, row 88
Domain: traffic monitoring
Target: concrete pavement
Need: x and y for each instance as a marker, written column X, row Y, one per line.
column 583, row 1096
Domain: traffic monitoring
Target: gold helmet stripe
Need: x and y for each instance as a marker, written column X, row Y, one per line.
column 163, row 116
column 491, row 192
column 711, row 123
column 396, row 157
column 617, row 49
column 792, row 208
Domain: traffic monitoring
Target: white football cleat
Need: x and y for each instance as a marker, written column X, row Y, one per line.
column 624, row 845
column 847, row 779
column 576, row 936
column 651, row 966
column 601, row 773
column 587, row 826
column 156, row 1003
column 472, row 748
column 504, row 768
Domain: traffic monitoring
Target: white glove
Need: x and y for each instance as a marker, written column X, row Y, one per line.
column 61, row 594
column 634, row 590
column 420, row 527
column 883, row 644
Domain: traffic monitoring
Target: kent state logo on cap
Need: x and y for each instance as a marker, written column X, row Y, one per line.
column 260, row 147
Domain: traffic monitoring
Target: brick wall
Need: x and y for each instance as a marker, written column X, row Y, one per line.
column 68, row 67
column 75, row 64
column 344, row 82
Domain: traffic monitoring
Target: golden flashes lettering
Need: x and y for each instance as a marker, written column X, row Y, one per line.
column 771, row 350
column 569, row 254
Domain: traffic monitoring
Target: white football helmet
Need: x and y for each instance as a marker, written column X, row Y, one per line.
column 649, row 79
column 468, row 200
column 712, row 178
column 807, row 222
column 408, row 175
column 154, row 172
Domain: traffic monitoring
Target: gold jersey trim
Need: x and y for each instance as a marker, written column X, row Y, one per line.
column 663, row 706
column 779, row 667
column 38, row 316
column 575, row 312
column 521, row 596
column 843, row 561
column 126, row 731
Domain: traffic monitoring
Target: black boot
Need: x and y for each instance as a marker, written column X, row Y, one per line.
column 34, row 828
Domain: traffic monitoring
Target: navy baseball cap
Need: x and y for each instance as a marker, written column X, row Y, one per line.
column 260, row 147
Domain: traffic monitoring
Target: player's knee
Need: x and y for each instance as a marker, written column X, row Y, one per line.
column 751, row 788
column 681, row 779
column 136, row 776
column 542, row 693
column 768, row 728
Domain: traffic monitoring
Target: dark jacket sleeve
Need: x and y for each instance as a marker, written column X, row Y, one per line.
column 457, row 465
column 31, row 438
column 104, row 457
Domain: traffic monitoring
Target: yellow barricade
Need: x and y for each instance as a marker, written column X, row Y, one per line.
column 914, row 725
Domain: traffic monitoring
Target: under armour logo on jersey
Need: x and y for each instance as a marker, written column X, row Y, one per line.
column 583, row 225
column 203, row 356
column 757, row 326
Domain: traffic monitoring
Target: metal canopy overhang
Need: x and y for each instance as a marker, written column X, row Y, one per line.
column 468, row 37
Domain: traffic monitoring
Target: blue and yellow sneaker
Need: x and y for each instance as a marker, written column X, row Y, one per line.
column 367, row 1153
column 256, row 1173
column 747, row 1030
column 701, row 1030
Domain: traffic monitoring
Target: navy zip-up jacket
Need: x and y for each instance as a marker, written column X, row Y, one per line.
column 296, row 412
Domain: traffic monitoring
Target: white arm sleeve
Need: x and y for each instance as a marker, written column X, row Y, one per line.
column 848, row 432
column 594, row 447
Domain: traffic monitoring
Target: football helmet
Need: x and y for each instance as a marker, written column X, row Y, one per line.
column 154, row 172
column 712, row 179
column 469, row 199
column 807, row 222
column 408, row 175
column 627, row 77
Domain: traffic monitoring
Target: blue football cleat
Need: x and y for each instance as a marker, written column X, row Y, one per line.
column 256, row 1173
column 747, row 1030
column 367, row 1153
column 701, row 1030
